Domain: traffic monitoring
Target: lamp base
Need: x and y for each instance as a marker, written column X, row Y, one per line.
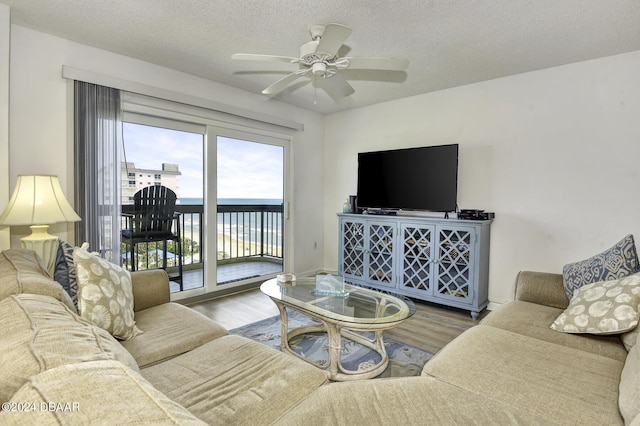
column 44, row 244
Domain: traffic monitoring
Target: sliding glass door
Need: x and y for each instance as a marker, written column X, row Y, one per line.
column 232, row 190
column 246, row 206
column 172, row 157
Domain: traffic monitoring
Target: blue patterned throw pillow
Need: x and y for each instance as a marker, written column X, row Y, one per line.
column 617, row 262
column 65, row 270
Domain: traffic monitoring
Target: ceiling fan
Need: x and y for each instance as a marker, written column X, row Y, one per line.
column 319, row 59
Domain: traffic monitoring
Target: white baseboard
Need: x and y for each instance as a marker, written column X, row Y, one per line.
column 309, row 273
column 493, row 305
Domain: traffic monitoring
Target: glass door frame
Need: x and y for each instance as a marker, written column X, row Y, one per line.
column 174, row 126
column 211, row 206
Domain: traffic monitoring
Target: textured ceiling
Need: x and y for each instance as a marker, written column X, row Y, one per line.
column 448, row 43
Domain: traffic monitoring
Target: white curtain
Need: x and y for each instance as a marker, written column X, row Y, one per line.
column 98, row 134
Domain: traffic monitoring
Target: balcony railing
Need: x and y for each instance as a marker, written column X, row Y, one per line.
column 192, row 232
column 249, row 230
column 244, row 232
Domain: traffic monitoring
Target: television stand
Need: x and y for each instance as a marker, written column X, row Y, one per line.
column 443, row 261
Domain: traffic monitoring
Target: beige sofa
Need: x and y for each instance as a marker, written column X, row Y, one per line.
column 510, row 369
column 185, row 369
column 57, row 368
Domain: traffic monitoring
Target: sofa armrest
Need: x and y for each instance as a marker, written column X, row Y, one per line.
column 542, row 288
column 150, row 288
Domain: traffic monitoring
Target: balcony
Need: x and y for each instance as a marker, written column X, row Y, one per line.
column 249, row 244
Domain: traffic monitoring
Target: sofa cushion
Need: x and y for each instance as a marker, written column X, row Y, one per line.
column 542, row 288
column 630, row 338
column 533, row 320
column 565, row 384
column 105, row 294
column 605, row 307
column 404, row 401
column 170, row 329
column 629, row 400
column 39, row 333
column 97, row 392
column 22, row 271
column 616, row 262
column 150, row 288
column 234, row 380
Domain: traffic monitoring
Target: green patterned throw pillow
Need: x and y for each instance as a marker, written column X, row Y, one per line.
column 105, row 294
column 605, row 307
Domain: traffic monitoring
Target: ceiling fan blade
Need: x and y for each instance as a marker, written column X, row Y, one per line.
column 284, row 82
column 337, row 86
column 333, row 38
column 372, row 63
column 263, row 58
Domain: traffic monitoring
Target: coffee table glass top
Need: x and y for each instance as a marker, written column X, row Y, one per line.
column 355, row 305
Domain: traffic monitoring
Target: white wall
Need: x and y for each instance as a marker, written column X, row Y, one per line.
column 41, row 123
column 553, row 153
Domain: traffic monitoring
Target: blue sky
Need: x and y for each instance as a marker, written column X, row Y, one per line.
column 245, row 169
column 249, row 169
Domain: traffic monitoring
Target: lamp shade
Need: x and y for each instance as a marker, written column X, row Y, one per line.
column 38, row 200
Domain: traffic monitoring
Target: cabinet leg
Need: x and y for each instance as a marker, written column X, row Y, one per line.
column 475, row 315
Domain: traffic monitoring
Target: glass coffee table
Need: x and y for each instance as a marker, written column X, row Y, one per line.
column 347, row 314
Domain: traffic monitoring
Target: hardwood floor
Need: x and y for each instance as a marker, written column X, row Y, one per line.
column 430, row 328
column 235, row 310
column 433, row 326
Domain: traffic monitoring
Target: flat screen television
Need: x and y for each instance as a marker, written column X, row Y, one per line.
column 424, row 178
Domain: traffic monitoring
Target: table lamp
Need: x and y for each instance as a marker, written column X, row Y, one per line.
column 38, row 201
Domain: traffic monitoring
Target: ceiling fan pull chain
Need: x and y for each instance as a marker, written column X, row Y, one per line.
column 315, row 90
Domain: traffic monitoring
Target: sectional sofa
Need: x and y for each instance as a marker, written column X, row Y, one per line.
column 59, row 368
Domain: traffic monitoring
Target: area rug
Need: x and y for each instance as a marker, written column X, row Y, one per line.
column 404, row 360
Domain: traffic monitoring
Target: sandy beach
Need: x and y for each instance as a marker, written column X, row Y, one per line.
column 236, row 248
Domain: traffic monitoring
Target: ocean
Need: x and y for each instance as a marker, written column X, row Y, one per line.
column 268, row 201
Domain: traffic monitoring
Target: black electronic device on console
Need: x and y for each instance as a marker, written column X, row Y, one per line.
column 381, row 212
column 472, row 214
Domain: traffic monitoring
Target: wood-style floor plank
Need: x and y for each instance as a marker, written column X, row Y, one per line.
column 235, row 310
column 430, row 328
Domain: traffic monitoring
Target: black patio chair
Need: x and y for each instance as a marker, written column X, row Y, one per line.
column 154, row 220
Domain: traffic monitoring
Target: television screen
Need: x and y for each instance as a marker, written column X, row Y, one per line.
column 423, row 178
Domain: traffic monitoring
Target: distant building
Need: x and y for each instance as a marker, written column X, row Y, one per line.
column 134, row 179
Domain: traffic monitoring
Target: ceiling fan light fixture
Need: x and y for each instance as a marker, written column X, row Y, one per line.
column 319, row 69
